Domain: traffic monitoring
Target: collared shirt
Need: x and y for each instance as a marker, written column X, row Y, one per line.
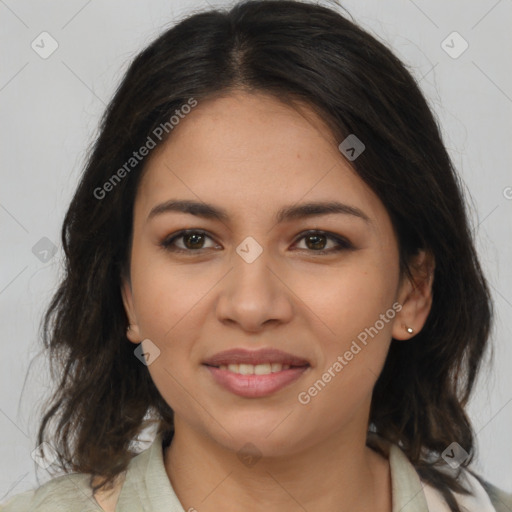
column 146, row 488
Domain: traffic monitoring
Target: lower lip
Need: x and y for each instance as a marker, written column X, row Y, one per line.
column 255, row 386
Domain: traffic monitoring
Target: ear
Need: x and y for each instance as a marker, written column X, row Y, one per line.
column 415, row 296
column 133, row 333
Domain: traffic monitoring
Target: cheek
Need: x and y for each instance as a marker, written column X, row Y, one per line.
column 165, row 293
column 356, row 305
column 347, row 300
column 169, row 301
column 359, row 314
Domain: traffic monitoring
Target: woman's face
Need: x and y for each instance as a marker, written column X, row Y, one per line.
column 256, row 278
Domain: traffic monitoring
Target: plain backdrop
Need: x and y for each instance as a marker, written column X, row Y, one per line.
column 50, row 108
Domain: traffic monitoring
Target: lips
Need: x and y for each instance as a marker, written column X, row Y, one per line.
column 246, row 372
column 255, row 357
column 256, row 386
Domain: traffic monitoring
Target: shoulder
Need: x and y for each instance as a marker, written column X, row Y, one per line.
column 73, row 493
column 484, row 496
column 65, row 493
column 501, row 500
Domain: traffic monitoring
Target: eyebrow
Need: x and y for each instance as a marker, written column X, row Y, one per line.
column 288, row 213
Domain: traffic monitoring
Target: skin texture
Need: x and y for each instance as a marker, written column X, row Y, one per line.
column 252, row 155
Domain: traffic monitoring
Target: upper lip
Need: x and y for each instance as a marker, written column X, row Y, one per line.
column 262, row 356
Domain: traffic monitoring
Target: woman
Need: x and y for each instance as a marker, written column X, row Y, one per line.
column 269, row 260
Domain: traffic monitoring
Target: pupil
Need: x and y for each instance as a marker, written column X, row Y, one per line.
column 195, row 244
column 318, row 241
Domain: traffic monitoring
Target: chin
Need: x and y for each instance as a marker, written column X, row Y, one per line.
column 271, row 438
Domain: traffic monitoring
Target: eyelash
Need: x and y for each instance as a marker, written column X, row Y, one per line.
column 343, row 244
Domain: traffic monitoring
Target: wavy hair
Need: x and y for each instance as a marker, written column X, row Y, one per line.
column 297, row 52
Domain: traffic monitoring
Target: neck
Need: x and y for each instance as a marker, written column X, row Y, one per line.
column 207, row 476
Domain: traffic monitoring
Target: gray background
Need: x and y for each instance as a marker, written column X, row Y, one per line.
column 50, row 112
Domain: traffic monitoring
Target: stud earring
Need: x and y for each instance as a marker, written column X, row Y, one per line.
column 128, row 328
column 410, row 330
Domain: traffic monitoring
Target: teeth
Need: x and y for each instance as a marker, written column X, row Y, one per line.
column 258, row 369
column 277, row 367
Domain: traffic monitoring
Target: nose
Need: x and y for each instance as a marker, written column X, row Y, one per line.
column 255, row 294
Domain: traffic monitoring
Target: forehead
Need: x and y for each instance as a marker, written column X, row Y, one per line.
column 248, row 152
column 245, row 125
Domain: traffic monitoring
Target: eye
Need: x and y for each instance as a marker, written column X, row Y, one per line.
column 193, row 241
column 316, row 240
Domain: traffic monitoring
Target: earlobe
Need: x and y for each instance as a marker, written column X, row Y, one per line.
column 415, row 296
column 132, row 329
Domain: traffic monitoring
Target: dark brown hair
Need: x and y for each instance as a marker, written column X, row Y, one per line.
column 296, row 52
